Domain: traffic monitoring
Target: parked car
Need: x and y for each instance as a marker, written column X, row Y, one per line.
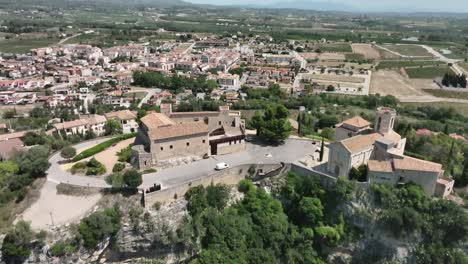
column 221, row 166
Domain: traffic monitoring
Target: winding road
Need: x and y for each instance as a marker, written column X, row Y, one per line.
column 292, row 150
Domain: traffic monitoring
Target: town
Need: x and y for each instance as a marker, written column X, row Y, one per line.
column 178, row 144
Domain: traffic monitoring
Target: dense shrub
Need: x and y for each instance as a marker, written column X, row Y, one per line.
column 118, row 167
column 94, row 167
column 98, row 226
column 63, row 248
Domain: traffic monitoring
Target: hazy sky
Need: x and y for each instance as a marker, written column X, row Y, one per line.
column 368, row 5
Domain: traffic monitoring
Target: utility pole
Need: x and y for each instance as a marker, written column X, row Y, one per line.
column 51, row 218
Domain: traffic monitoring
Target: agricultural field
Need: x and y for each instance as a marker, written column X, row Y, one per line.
column 366, row 50
column 331, row 56
column 406, row 63
column 408, row 50
column 335, row 47
column 448, row 94
column 386, row 82
column 386, row 55
column 427, row 72
column 84, row 38
column 354, row 57
column 24, row 46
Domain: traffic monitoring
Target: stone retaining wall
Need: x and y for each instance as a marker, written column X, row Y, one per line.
column 229, row 176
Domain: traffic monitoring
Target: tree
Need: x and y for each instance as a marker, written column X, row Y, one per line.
column 68, row 152
column 34, row 162
column 98, row 226
column 112, row 127
column 16, row 244
column 132, row 178
column 311, row 210
column 322, row 150
column 328, row 133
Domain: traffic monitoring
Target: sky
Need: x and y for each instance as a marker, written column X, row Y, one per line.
column 366, row 5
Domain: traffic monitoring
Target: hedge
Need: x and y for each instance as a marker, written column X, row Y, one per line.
column 101, row 147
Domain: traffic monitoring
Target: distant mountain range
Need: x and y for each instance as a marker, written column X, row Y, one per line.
column 381, row 6
column 307, row 5
column 76, row 3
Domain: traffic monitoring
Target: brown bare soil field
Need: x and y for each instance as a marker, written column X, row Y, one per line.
column 393, row 83
column 332, row 56
column 367, row 50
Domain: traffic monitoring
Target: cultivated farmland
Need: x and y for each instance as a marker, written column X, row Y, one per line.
column 366, row 50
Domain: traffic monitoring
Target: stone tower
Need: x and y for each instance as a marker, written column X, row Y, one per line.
column 384, row 120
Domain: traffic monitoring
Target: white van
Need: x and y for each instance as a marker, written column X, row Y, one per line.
column 221, row 166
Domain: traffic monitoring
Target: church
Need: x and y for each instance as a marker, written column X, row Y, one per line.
column 381, row 149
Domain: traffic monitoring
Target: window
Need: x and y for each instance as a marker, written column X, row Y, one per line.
column 162, row 148
column 188, row 144
column 219, row 122
column 350, row 134
column 196, row 119
column 203, row 141
column 170, row 147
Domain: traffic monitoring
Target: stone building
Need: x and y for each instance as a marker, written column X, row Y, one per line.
column 171, row 135
column 382, row 150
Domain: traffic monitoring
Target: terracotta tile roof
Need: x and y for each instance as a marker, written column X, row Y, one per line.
column 356, row 121
column 93, row 119
column 154, row 120
column 3, row 126
column 361, row 142
column 193, row 114
column 71, row 124
column 413, row 164
column 13, row 135
column 380, row 166
column 9, row 147
column 423, row 132
column 121, row 115
column 178, row 130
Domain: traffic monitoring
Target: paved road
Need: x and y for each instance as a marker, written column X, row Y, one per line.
column 292, row 150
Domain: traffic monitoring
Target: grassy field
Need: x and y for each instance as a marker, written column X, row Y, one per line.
column 409, row 50
column 23, row 46
column 447, row 94
column 406, row 63
column 427, row 72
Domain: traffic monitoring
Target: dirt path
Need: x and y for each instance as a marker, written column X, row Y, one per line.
column 57, row 208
